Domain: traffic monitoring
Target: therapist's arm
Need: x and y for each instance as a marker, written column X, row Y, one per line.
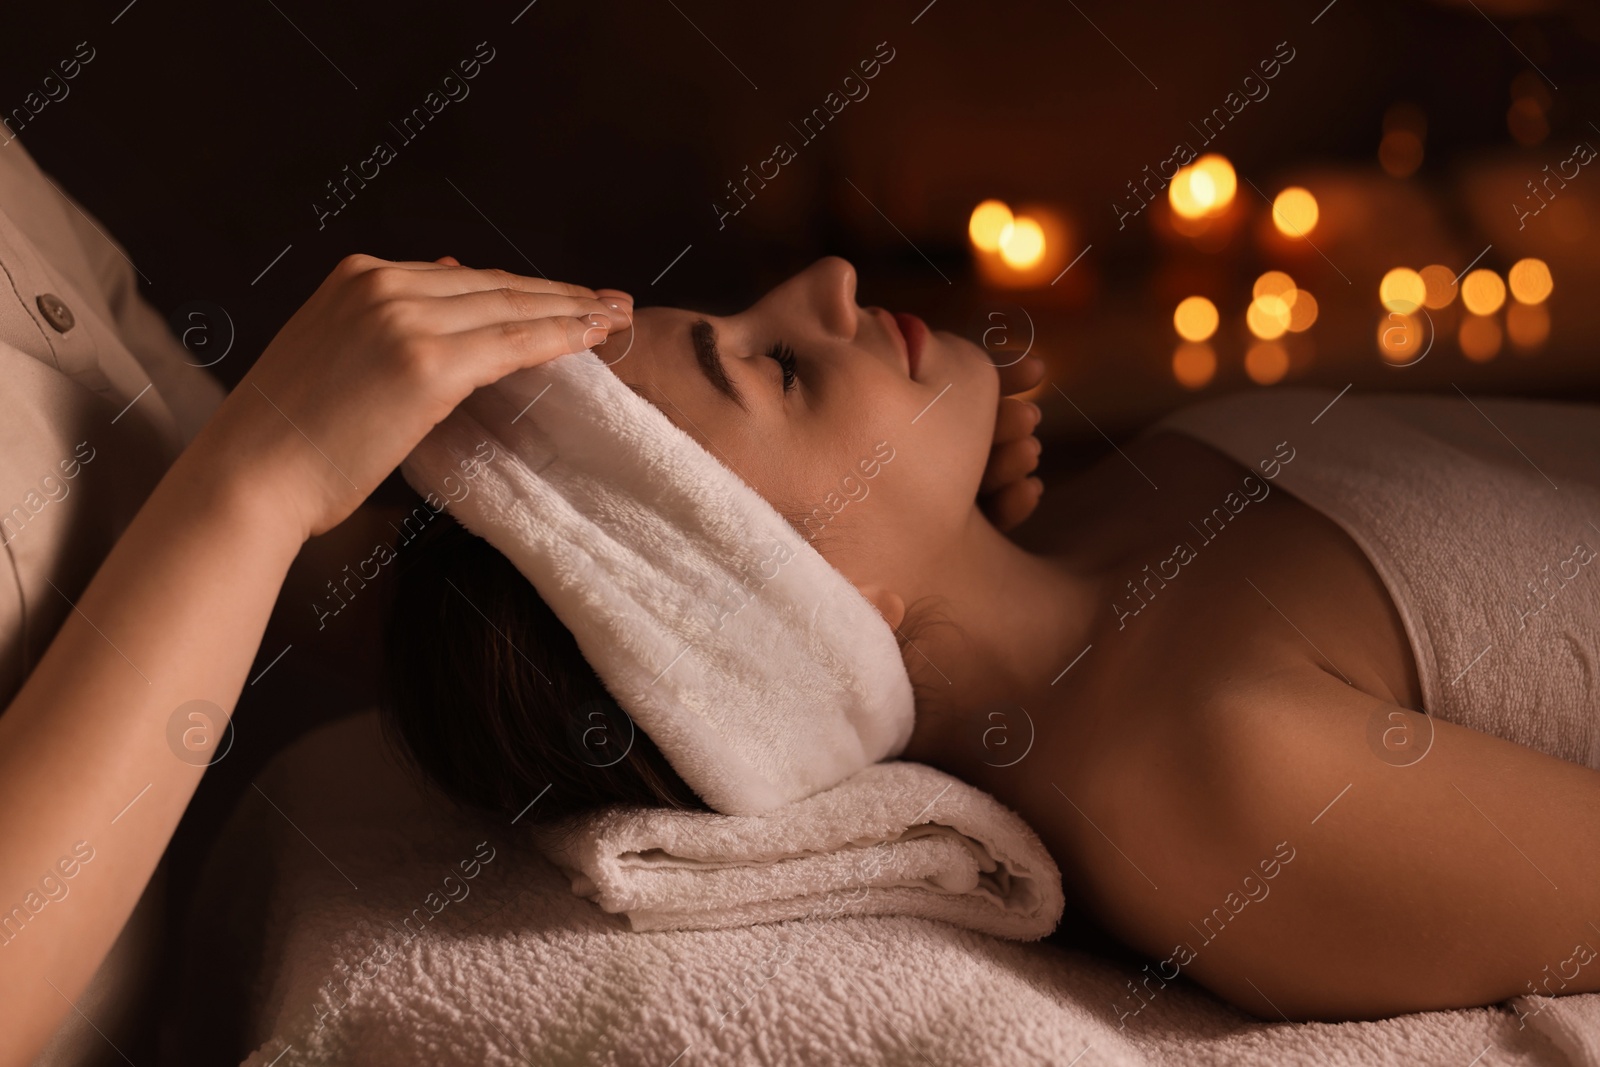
column 89, row 783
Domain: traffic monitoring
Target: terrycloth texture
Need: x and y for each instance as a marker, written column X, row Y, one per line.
column 759, row 670
column 521, row 971
column 894, row 839
column 1492, row 567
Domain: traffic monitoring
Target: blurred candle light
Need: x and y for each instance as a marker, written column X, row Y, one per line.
column 1032, row 244
column 988, row 220
column 1528, row 325
column 1439, row 286
column 1479, row 337
column 1483, row 292
column 1402, row 290
column 1294, row 212
column 1267, row 317
column 1194, row 365
column 1400, row 151
column 1526, row 117
column 1204, row 188
column 1022, row 243
column 1400, row 337
column 1530, row 281
column 1195, row 319
column 1302, row 311
column 1275, row 283
column 1266, row 362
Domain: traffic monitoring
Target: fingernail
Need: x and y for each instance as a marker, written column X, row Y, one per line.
column 595, row 335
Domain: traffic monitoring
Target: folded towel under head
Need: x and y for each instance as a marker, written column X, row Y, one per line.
column 897, row 838
column 758, row 669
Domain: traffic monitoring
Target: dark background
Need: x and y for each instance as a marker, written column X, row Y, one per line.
column 594, row 145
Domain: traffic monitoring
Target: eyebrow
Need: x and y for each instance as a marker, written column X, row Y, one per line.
column 703, row 336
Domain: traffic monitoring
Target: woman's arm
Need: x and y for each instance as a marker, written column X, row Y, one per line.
column 91, row 780
column 1312, row 878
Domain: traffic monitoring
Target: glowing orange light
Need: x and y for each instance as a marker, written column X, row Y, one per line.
column 1194, row 365
column 1302, row 311
column 1405, row 126
column 1528, row 325
column 1400, row 337
column 988, row 220
column 1479, row 337
column 1204, row 187
column 1275, row 283
column 1400, row 153
column 1022, row 243
column 1268, row 317
column 1294, row 212
column 1402, row 290
column 1530, row 281
column 1266, row 362
column 1195, row 319
column 1483, row 292
column 1439, row 286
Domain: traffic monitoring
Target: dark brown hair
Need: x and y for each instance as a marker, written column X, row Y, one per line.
column 488, row 696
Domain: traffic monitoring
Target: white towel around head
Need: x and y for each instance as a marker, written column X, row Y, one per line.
column 758, row 669
column 896, row 838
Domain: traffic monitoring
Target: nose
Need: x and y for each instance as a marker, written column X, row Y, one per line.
column 826, row 291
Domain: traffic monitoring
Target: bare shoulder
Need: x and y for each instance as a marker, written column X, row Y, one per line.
column 1270, row 844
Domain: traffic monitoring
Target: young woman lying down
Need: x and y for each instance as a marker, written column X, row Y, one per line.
column 1208, row 691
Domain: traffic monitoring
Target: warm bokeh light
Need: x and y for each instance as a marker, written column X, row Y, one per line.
column 1223, row 182
column 1402, row 290
column 1400, row 337
column 1526, row 122
column 1195, row 319
column 1530, row 100
column 1022, row 243
column 1294, row 212
column 1194, row 365
column 1530, row 281
column 1275, row 283
column 1439, row 284
column 1204, row 187
column 1483, row 292
column 1405, row 127
column 1400, row 153
column 1266, row 362
column 1267, row 317
column 1479, row 337
column 1528, row 325
column 1530, row 83
column 988, row 220
column 1182, row 198
column 1302, row 311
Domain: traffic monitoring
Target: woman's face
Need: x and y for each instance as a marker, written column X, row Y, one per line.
column 880, row 465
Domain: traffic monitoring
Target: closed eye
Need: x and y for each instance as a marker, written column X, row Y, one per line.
column 784, row 356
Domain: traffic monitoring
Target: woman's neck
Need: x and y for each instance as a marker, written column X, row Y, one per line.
column 1003, row 624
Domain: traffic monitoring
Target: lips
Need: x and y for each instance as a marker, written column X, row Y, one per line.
column 914, row 332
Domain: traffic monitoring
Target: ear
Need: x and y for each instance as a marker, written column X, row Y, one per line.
column 889, row 603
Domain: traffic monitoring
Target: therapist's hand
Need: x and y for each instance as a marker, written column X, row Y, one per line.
column 379, row 355
column 1007, row 494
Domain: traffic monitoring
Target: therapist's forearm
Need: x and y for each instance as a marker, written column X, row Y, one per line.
column 175, row 614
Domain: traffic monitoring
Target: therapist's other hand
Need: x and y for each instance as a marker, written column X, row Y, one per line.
column 378, row 356
column 1007, row 495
